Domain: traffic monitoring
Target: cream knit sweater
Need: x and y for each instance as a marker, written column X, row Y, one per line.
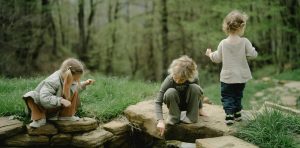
column 235, row 68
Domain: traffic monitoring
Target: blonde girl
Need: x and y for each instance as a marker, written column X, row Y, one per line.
column 180, row 91
column 233, row 52
column 56, row 97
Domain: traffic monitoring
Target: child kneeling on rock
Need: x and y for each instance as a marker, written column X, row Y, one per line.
column 56, row 97
column 180, row 91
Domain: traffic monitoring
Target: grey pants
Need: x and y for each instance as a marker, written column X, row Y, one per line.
column 172, row 100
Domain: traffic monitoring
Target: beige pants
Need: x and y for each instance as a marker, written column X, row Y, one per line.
column 38, row 112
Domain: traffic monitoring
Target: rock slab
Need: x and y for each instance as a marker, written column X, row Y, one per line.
column 92, row 139
column 47, row 129
column 223, row 142
column 83, row 125
column 9, row 127
column 142, row 115
column 26, row 140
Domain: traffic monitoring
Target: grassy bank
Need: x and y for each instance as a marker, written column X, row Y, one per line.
column 213, row 91
column 105, row 99
column 272, row 129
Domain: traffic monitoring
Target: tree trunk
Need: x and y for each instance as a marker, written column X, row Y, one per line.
column 165, row 40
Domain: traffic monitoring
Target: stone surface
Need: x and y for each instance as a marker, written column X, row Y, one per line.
column 83, row 125
column 117, row 127
column 120, row 141
column 9, row 127
column 26, row 140
column 47, row 129
column 179, row 144
column 142, row 115
column 293, row 85
column 223, row 142
column 92, row 139
column 61, row 139
column 289, row 100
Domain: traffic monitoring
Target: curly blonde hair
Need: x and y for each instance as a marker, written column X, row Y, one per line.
column 235, row 22
column 184, row 67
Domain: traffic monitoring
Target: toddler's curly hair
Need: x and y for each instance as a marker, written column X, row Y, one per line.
column 235, row 22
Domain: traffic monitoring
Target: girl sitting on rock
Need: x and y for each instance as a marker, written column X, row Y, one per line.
column 180, row 91
column 56, row 97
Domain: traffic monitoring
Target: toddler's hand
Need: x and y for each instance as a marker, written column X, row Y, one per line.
column 65, row 103
column 208, row 52
column 89, row 81
column 161, row 127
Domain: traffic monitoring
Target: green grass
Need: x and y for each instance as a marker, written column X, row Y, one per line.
column 272, row 129
column 212, row 91
column 289, row 75
column 105, row 99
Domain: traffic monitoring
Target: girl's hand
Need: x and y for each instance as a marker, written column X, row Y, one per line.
column 161, row 127
column 89, row 81
column 208, row 52
column 65, row 103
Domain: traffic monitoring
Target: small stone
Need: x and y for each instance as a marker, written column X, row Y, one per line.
column 9, row 127
column 26, row 140
column 61, row 139
column 117, row 127
column 266, row 78
column 259, row 94
column 223, row 142
column 83, row 125
column 47, row 129
column 289, row 100
column 92, row 139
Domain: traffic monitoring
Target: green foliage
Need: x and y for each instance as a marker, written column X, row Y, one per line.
column 125, row 38
column 289, row 75
column 272, row 129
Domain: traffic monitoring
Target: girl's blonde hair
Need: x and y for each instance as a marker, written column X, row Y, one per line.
column 184, row 67
column 68, row 68
column 235, row 22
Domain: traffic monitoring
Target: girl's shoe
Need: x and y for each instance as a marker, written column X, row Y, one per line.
column 238, row 116
column 37, row 123
column 229, row 120
column 73, row 118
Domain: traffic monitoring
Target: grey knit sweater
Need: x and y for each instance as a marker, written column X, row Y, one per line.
column 235, row 68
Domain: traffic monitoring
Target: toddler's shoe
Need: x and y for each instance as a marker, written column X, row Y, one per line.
column 37, row 123
column 238, row 116
column 229, row 119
